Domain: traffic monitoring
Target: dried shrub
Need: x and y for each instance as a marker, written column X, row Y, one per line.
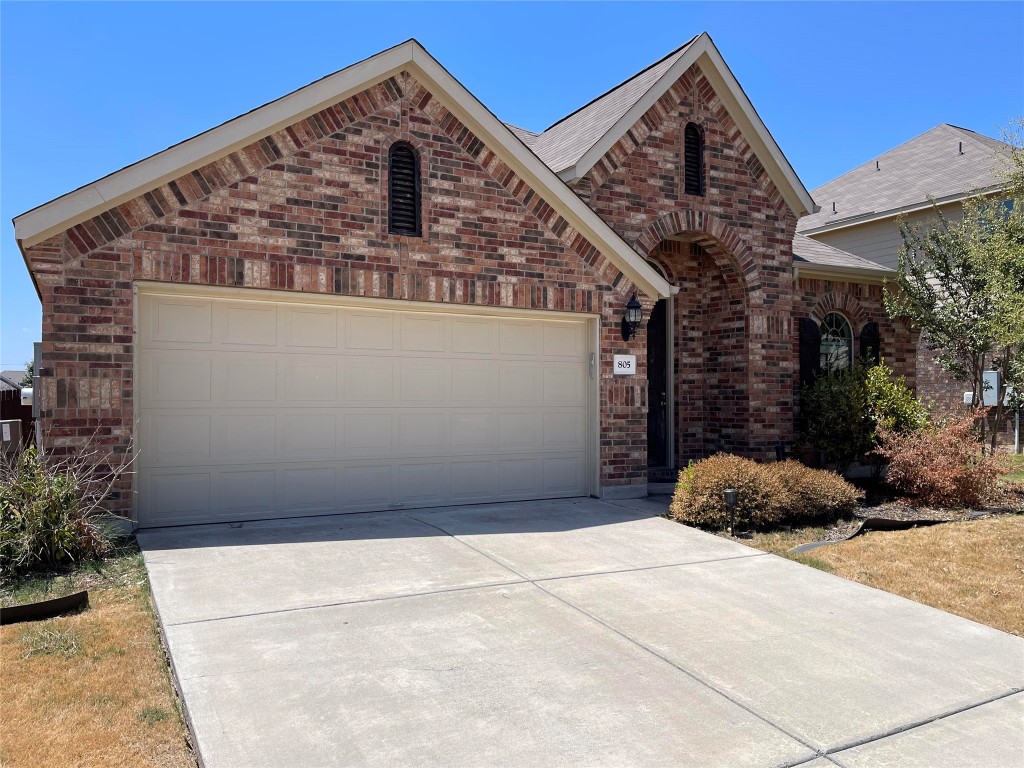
column 50, row 508
column 814, row 495
column 942, row 465
column 698, row 497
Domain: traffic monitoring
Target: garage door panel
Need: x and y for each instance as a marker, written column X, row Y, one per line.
column 308, row 488
column 474, row 432
column 423, row 381
column 176, row 377
column 312, row 381
column 421, row 483
column 370, row 330
column 174, row 320
column 246, row 437
column 309, row 434
column 368, row 434
column 562, row 474
column 564, row 430
column 474, row 336
column 423, row 333
column 256, row 409
column 249, row 325
column 367, row 486
column 474, row 382
column 248, row 492
column 246, row 379
column 423, row 433
column 566, row 340
column 178, row 438
column 519, row 337
column 369, row 380
column 307, row 328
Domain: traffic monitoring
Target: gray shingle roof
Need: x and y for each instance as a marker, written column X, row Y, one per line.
column 561, row 145
column 808, row 251
column 929, row 165
column 525, row 136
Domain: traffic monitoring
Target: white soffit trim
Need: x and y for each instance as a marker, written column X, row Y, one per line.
column 704, row 54
column 868, row 276
column 84, row 203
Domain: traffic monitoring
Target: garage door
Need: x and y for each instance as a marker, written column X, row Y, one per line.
column 254, row 409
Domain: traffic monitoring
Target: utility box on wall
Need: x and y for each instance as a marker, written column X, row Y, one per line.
column 10, row 436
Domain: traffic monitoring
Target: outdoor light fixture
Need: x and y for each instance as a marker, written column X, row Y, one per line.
column 730, row 495
column 631, row 319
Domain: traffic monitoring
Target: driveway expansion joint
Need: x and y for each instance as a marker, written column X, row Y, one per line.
column 831, row 751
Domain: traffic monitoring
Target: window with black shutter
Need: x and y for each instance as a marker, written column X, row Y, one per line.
column 403, row 190
column 810, row 350
column 693, row 160
column 870, row 343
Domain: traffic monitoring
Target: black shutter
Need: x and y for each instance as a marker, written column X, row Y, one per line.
column 870, row 343
column 810, row 350
column 693, row 160
column 403, row 190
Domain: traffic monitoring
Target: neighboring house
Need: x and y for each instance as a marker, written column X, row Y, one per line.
column 372, row 294
column 861, row 212
column 10, row 402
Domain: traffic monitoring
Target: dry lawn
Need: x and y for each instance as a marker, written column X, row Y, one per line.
column 974, row 568
column 89, row 689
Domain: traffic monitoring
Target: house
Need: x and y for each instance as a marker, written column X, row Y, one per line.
column 372, row 294
column 861, row 212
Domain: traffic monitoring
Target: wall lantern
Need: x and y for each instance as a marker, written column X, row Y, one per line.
column 631, row 319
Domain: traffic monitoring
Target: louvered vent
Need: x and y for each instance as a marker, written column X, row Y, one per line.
column 403, row 190
column 693, row 160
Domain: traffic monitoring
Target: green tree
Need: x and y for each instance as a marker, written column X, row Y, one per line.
column 26, row 380
column 962, row 283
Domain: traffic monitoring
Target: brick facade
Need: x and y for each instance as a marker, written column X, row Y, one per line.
column 305, row 210
column 733, row 313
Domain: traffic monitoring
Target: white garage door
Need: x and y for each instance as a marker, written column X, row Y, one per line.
column 254, row 408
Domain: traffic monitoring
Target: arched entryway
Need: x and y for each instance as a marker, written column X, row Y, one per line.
column 698, row 355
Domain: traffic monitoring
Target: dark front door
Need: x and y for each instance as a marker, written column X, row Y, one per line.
column 657, row 387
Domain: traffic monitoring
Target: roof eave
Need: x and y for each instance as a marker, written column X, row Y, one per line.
column 703, row 52
column 867, row 218
column 75, row 207
column 847, row 274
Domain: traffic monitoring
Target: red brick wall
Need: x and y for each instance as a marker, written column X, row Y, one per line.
column 305, row 210
column 860, row 304
column 743, row 287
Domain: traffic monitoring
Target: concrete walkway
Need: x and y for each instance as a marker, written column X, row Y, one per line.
column 559, row 633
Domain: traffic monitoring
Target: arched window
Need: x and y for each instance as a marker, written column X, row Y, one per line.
column 836, row 343
column 693, row 160
column 403, row 190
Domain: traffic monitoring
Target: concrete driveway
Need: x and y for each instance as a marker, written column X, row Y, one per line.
column 570, row 632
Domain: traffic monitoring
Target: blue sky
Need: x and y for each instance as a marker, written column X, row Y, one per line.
column 88, row 88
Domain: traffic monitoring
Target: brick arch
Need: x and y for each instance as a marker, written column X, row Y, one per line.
column 845, row 304
column 716, row 237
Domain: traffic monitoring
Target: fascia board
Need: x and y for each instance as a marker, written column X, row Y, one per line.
column 82, row 204
column 739, row 107
column 825, row 272
column 704, row 54
column 867, row 218
column 541, row 178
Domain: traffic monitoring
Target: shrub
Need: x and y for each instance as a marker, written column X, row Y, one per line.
column 49, row 510
column 834, row 416
column 941, row 465
column 768, row 494
column 843, row 412
column 814, row 495
column 892, row 405
column 698, row 497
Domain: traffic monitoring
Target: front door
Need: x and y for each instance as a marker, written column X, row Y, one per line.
column 657, row 387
